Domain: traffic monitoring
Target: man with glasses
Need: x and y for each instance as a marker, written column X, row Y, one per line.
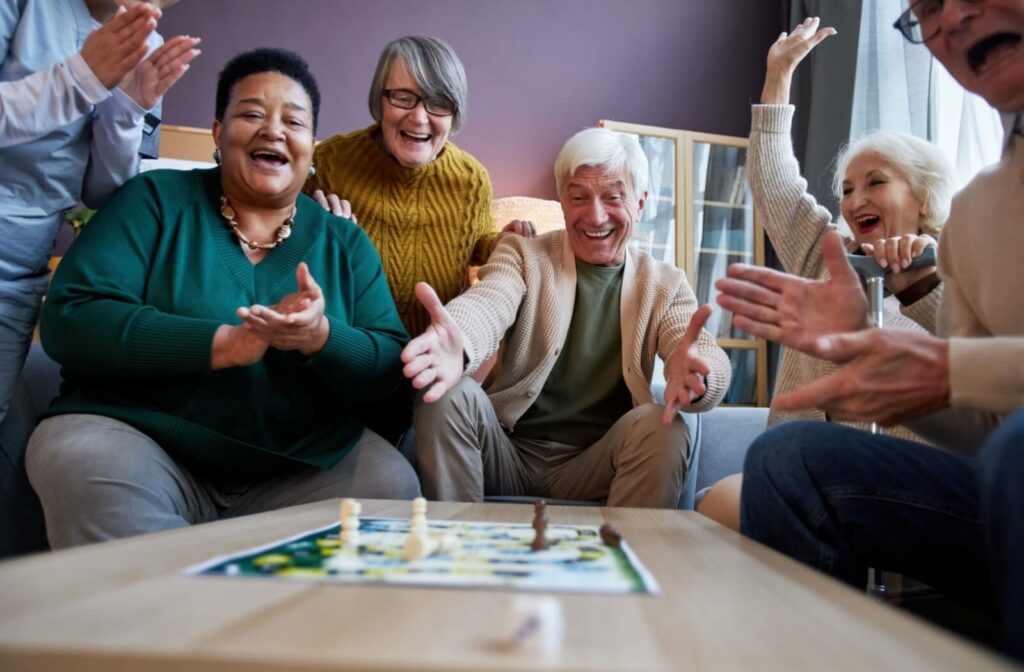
column 843, row 500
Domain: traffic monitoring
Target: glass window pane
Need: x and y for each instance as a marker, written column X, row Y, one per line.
column 723, row 224
column 743, row 388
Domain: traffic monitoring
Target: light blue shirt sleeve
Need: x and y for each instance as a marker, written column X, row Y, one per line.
column 114, row 151
column 45, row 100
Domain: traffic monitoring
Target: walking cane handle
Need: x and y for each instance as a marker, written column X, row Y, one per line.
column 867, row 267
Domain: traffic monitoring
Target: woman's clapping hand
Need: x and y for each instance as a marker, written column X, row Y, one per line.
column 296, row 322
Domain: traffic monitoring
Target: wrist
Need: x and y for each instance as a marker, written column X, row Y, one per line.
column 318, row 340
column 220, row 352
column 776, row 89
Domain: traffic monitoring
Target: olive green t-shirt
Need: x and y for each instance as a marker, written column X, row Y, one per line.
column 584, row 394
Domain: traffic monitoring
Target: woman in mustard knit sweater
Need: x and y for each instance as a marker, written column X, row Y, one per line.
column 423, row 202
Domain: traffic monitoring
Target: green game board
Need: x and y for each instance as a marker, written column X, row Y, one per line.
column 491, row 555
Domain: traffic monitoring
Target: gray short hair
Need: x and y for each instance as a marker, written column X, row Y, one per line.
column 925, row 166
column 602, row 148
column 434, row 66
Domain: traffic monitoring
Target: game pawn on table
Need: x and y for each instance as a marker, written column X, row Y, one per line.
column 448, row 553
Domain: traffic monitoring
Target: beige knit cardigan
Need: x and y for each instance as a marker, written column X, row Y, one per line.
column 796, row 224
column 524, row 303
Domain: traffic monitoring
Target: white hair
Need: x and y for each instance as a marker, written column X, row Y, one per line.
column 601, row 148
column 928, row 171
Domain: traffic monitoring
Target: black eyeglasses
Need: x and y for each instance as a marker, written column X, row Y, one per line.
column 920, row 22
column 407, row 100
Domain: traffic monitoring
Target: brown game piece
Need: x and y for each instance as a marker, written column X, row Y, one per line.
column 540, row 526
column 610, row 536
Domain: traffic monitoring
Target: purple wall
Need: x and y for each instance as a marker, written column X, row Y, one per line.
column 538, row 70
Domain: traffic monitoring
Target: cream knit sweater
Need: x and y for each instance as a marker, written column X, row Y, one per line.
column 796, row 224
column 982, row 311
column 524, row 302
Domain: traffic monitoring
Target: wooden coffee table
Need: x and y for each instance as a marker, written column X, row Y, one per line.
column 726, row 604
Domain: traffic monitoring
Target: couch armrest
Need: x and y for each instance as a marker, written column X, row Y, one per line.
column 725, row 434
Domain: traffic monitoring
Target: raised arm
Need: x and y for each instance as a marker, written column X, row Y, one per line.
column 54, row 97
column 792, row 218
column 117, row 125
column 785, row 54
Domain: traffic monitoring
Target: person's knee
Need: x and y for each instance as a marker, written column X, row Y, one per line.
column 406, row 483
column 780, row 448
column 665, row 447
column 429, row 418
column 59, row 464
column 456, row 413
column 380, row 471
column 721, row 503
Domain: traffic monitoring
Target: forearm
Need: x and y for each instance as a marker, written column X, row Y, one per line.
column 47, row 100
column 114, row 152
column 776, row 88
column 985, row 373
column 107, row 337
column 486, row 310
column 792, row 218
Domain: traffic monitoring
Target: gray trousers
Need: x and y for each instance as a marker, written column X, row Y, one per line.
column 99, row 479
column 463, row 454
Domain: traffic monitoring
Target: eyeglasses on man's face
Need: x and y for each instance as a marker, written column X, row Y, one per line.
column 407, row 100
column 920, row 22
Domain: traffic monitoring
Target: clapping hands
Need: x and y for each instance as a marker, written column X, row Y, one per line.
column 296, row 322
column 150, row 79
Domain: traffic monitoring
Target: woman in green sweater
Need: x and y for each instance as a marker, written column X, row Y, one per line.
column 215, row 328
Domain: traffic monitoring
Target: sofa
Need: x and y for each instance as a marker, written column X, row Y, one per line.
column 719, row 438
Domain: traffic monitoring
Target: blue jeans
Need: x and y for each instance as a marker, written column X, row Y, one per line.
column 842, row 500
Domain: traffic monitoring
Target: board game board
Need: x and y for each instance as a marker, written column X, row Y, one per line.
column 491, row 555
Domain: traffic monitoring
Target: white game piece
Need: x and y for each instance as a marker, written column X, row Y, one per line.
column 418, row 547
column 345, row 561
column 449, row 544
column 350, row 510
column 536, row 623
column 418, row 521
column 419, row 544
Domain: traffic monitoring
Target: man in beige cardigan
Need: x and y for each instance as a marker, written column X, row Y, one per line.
column 577, row 318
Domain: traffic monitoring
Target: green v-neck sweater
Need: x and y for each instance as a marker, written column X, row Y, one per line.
column 134, row 305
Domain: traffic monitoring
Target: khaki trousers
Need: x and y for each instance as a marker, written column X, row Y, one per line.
column 464, row 454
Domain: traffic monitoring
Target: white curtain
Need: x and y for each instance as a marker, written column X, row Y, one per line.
column 965, row 126
column 900, row 87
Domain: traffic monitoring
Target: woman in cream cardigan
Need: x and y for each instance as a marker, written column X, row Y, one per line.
column 894, row 192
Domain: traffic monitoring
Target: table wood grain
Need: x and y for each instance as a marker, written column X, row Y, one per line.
column 727, row 603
